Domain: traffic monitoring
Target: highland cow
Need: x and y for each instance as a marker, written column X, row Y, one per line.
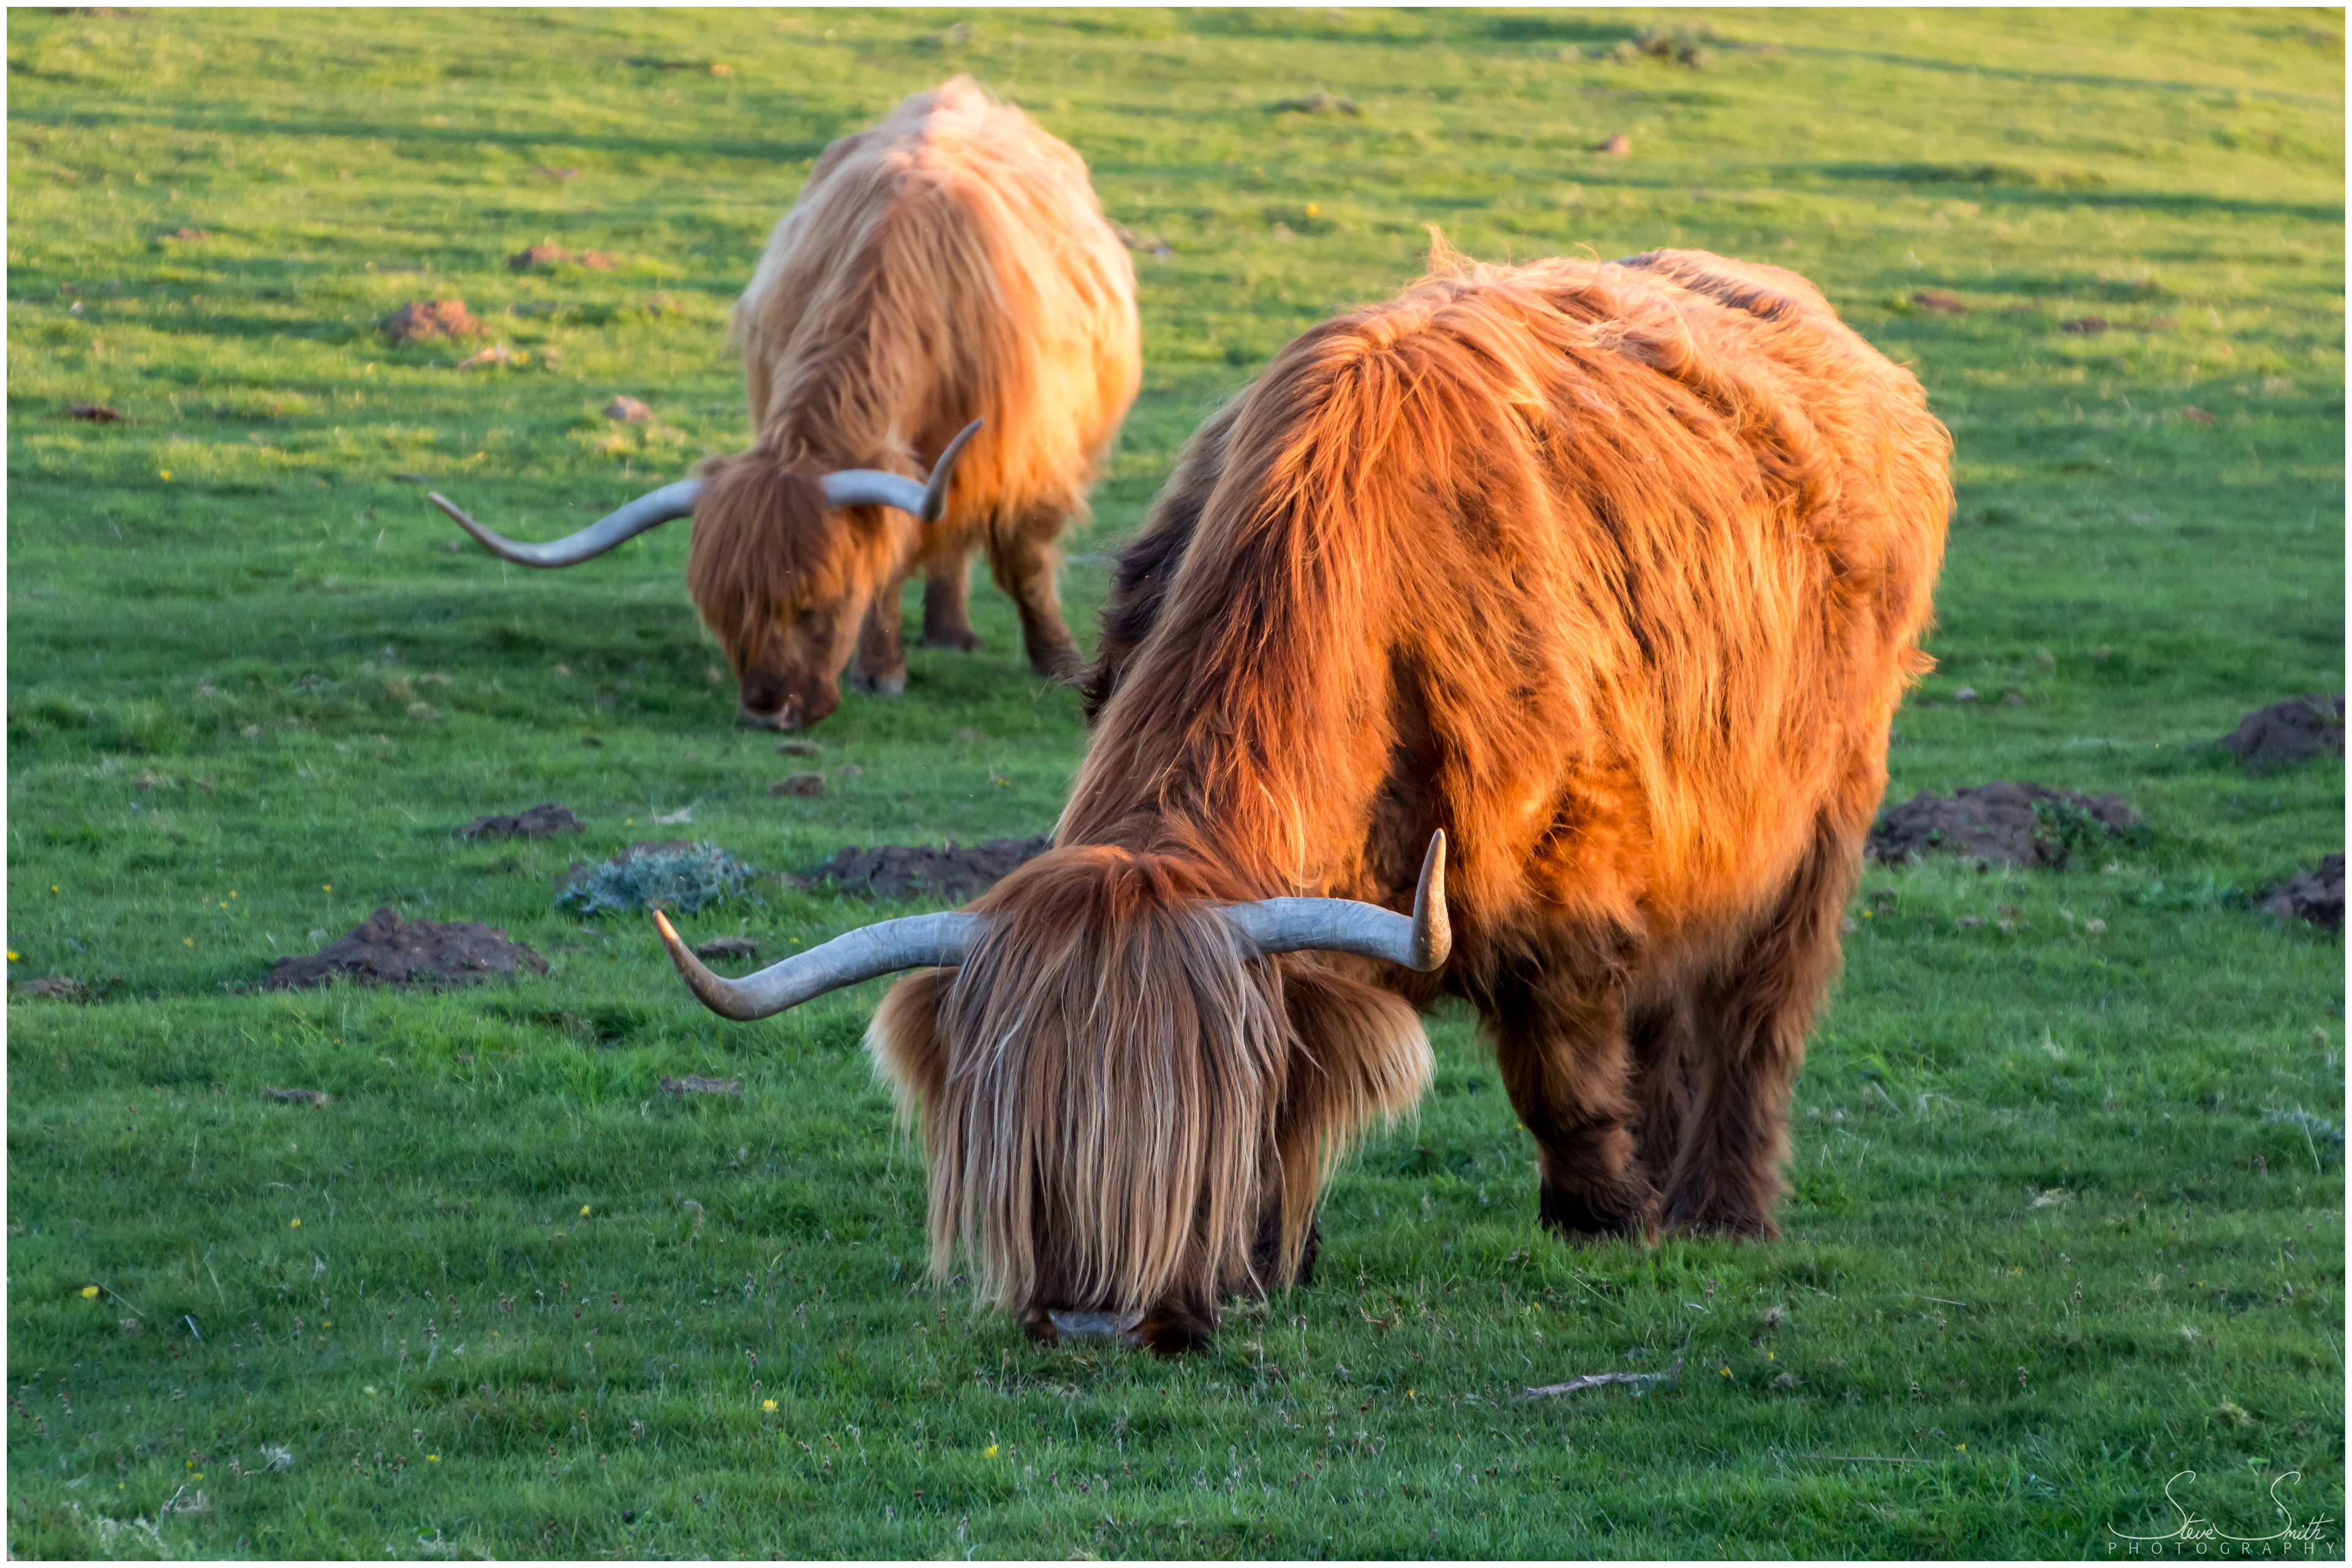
column 1613, row 574
column 949, row 268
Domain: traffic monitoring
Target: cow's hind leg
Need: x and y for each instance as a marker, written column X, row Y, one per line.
column 947, row 604
column 1022, row 558
column 1566, row 1068
column 1749, row 1024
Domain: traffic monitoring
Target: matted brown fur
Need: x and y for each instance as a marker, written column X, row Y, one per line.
column 952, row 263
column 1615, row 571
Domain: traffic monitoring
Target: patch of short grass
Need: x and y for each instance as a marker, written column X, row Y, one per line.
column 2066, row 1213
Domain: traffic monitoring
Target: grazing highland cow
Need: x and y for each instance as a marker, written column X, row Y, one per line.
column 950, row 266
column 1612, row 573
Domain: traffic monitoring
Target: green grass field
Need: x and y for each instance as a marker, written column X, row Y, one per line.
column 2067, row 1208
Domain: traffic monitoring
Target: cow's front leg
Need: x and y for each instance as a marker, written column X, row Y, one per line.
column 880, row 663
column 1022, row 558
column 1565, row 1066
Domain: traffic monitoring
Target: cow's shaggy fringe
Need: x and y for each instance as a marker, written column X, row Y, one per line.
column 1106, row 1071
column 1613, row 571
column 949, row 263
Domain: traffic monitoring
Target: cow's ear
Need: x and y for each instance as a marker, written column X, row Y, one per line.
column 903, row 1039
column 1357, row 1053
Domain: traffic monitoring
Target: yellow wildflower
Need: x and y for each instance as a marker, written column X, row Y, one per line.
column 89, row 1290
column 768, row 1404
column 584, row 1210
column 989, row 1452
column 294, row 1224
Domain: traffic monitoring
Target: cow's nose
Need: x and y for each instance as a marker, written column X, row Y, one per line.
column 786, row 716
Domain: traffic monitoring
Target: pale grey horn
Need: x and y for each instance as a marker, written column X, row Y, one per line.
column 914, row 942
column 849, row 487
column 646, row 511
column 876, row 487
column 1344, row 925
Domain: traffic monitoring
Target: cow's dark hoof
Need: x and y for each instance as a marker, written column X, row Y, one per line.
column 1623, row 1209
column 1172, row 1330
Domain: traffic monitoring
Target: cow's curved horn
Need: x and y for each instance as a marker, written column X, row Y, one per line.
column 1344, row 925
column 646, row 511
column 913, row 941
column 847, row 487
column 874, row 486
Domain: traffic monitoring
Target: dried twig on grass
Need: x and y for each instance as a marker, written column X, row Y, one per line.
column 685, row 1086
column 1599, row 1379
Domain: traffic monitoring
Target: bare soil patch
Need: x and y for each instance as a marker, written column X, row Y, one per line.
column 58, row 987
column 2313, row 896
column 920, row 870
column 540, row 822
column 420, row 319
column 384, row 949
column 2000, row 823
column 2288, row 733
column 555, row 255
column 298, row 1095
column 727, row 947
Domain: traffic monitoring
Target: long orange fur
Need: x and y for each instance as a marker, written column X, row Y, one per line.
column 952, row 263
column 1613, row 571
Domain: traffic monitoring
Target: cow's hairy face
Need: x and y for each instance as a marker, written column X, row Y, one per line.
column 788, row 664
column 1126, row 1118
column 785, row 581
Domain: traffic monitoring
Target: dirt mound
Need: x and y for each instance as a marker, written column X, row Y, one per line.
column 919, row 870
column 2288, row 733
column 551, row 255
column 2315, row 896
column 539, row 822
column 384, row 949
column 432, row 319
column 2000, row 823
column 64, row 988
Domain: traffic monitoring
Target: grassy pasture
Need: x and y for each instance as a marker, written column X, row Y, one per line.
column 2067, row 1206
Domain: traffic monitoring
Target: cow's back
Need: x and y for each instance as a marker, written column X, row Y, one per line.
column 950, row 262
column 1614, row 570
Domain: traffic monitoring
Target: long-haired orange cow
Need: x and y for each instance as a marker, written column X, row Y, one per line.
column 950, row 266
column 1610, row 573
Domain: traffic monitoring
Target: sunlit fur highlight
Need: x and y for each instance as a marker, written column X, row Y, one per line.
column 949, row 264
column 1613, row 571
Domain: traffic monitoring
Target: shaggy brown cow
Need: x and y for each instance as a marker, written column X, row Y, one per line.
column 951, row 265
column 1614, row 573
